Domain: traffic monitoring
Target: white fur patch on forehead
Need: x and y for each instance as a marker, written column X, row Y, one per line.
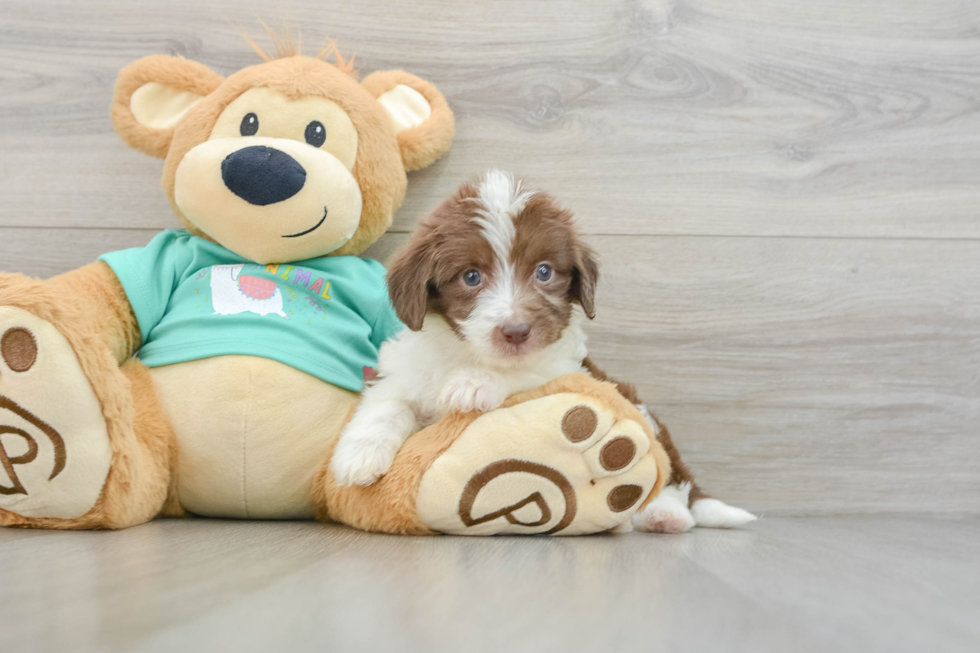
column 500, row 198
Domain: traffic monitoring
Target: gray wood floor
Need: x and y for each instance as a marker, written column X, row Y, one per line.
column 858, row 583
column 786, row 196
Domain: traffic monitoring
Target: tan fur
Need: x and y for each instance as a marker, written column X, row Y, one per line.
column 378, row 166
column 103, row 306
column 175, row 72
column 382, row 158
column 152, row 482
column 137, row 483
column 422, row 145
column 388, row 506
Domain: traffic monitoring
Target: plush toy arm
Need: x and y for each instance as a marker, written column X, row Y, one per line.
column 101, row 304
column 570, row 457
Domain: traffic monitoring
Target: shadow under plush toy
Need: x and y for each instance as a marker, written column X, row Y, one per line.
column 253, row 328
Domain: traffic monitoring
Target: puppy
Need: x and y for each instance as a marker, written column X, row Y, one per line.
column 493, row 287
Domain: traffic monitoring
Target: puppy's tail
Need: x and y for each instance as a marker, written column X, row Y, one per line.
column 712, row 513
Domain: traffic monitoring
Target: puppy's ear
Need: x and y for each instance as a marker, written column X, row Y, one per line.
column 409, row 276
column 153, row 94
column 419, row 113
column 585, row 276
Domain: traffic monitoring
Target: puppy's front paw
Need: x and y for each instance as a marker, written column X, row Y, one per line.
column 362, row 461
column 473, row 390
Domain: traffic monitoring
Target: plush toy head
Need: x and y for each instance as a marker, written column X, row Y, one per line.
column 286, row 160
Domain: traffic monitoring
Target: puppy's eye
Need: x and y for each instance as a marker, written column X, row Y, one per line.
column 472, row 278
column 316, row 133
column 250, row 125
column 543, row 273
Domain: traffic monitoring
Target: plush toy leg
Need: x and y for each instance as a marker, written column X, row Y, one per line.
column 83, row 443
column 571, row 457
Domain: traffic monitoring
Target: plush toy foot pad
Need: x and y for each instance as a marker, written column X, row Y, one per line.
column 562, row 464
column 54, row 445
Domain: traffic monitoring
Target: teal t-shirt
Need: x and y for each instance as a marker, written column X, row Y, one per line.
column 195, row 299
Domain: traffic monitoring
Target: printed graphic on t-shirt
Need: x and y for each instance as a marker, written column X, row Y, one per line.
column 233, row 291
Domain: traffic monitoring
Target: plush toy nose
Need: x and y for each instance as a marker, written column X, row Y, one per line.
column 262, row 175
column 516, row 333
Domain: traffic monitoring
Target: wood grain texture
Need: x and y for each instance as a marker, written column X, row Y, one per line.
column 862, row 584
column 785, row 198
column 647, row 116
column 805, row 375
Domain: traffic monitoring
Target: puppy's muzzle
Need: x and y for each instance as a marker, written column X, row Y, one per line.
column 262, row 175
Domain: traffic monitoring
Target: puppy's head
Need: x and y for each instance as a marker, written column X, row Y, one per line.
column 502, row 264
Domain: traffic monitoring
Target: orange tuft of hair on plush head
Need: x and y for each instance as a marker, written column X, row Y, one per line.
column 289, row 45
column 331, row 48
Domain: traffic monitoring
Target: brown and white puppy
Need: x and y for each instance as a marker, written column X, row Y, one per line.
column 493, row 287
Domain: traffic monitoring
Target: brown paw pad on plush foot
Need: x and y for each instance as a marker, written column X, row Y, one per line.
column 562, row 464
column 54, row 447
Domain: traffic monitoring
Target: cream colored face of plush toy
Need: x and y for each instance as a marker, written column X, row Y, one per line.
column 274, row 168
column 286, row 160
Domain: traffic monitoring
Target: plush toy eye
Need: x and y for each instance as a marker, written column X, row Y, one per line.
column 543, row 273
column 316, row 133
column 472, row 278
column 250, row 125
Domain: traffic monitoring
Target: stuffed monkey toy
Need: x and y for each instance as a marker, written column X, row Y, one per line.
column 212, row 371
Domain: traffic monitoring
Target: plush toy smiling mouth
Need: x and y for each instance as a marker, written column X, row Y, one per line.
column 311, row 229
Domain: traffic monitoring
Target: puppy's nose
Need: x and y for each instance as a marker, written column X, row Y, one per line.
column 516, row 333
column 262, row 175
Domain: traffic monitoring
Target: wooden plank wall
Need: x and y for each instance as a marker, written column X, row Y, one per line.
column 786, row 197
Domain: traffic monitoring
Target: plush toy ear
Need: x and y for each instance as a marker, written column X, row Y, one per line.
column 153, row 94
column 418, row 112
